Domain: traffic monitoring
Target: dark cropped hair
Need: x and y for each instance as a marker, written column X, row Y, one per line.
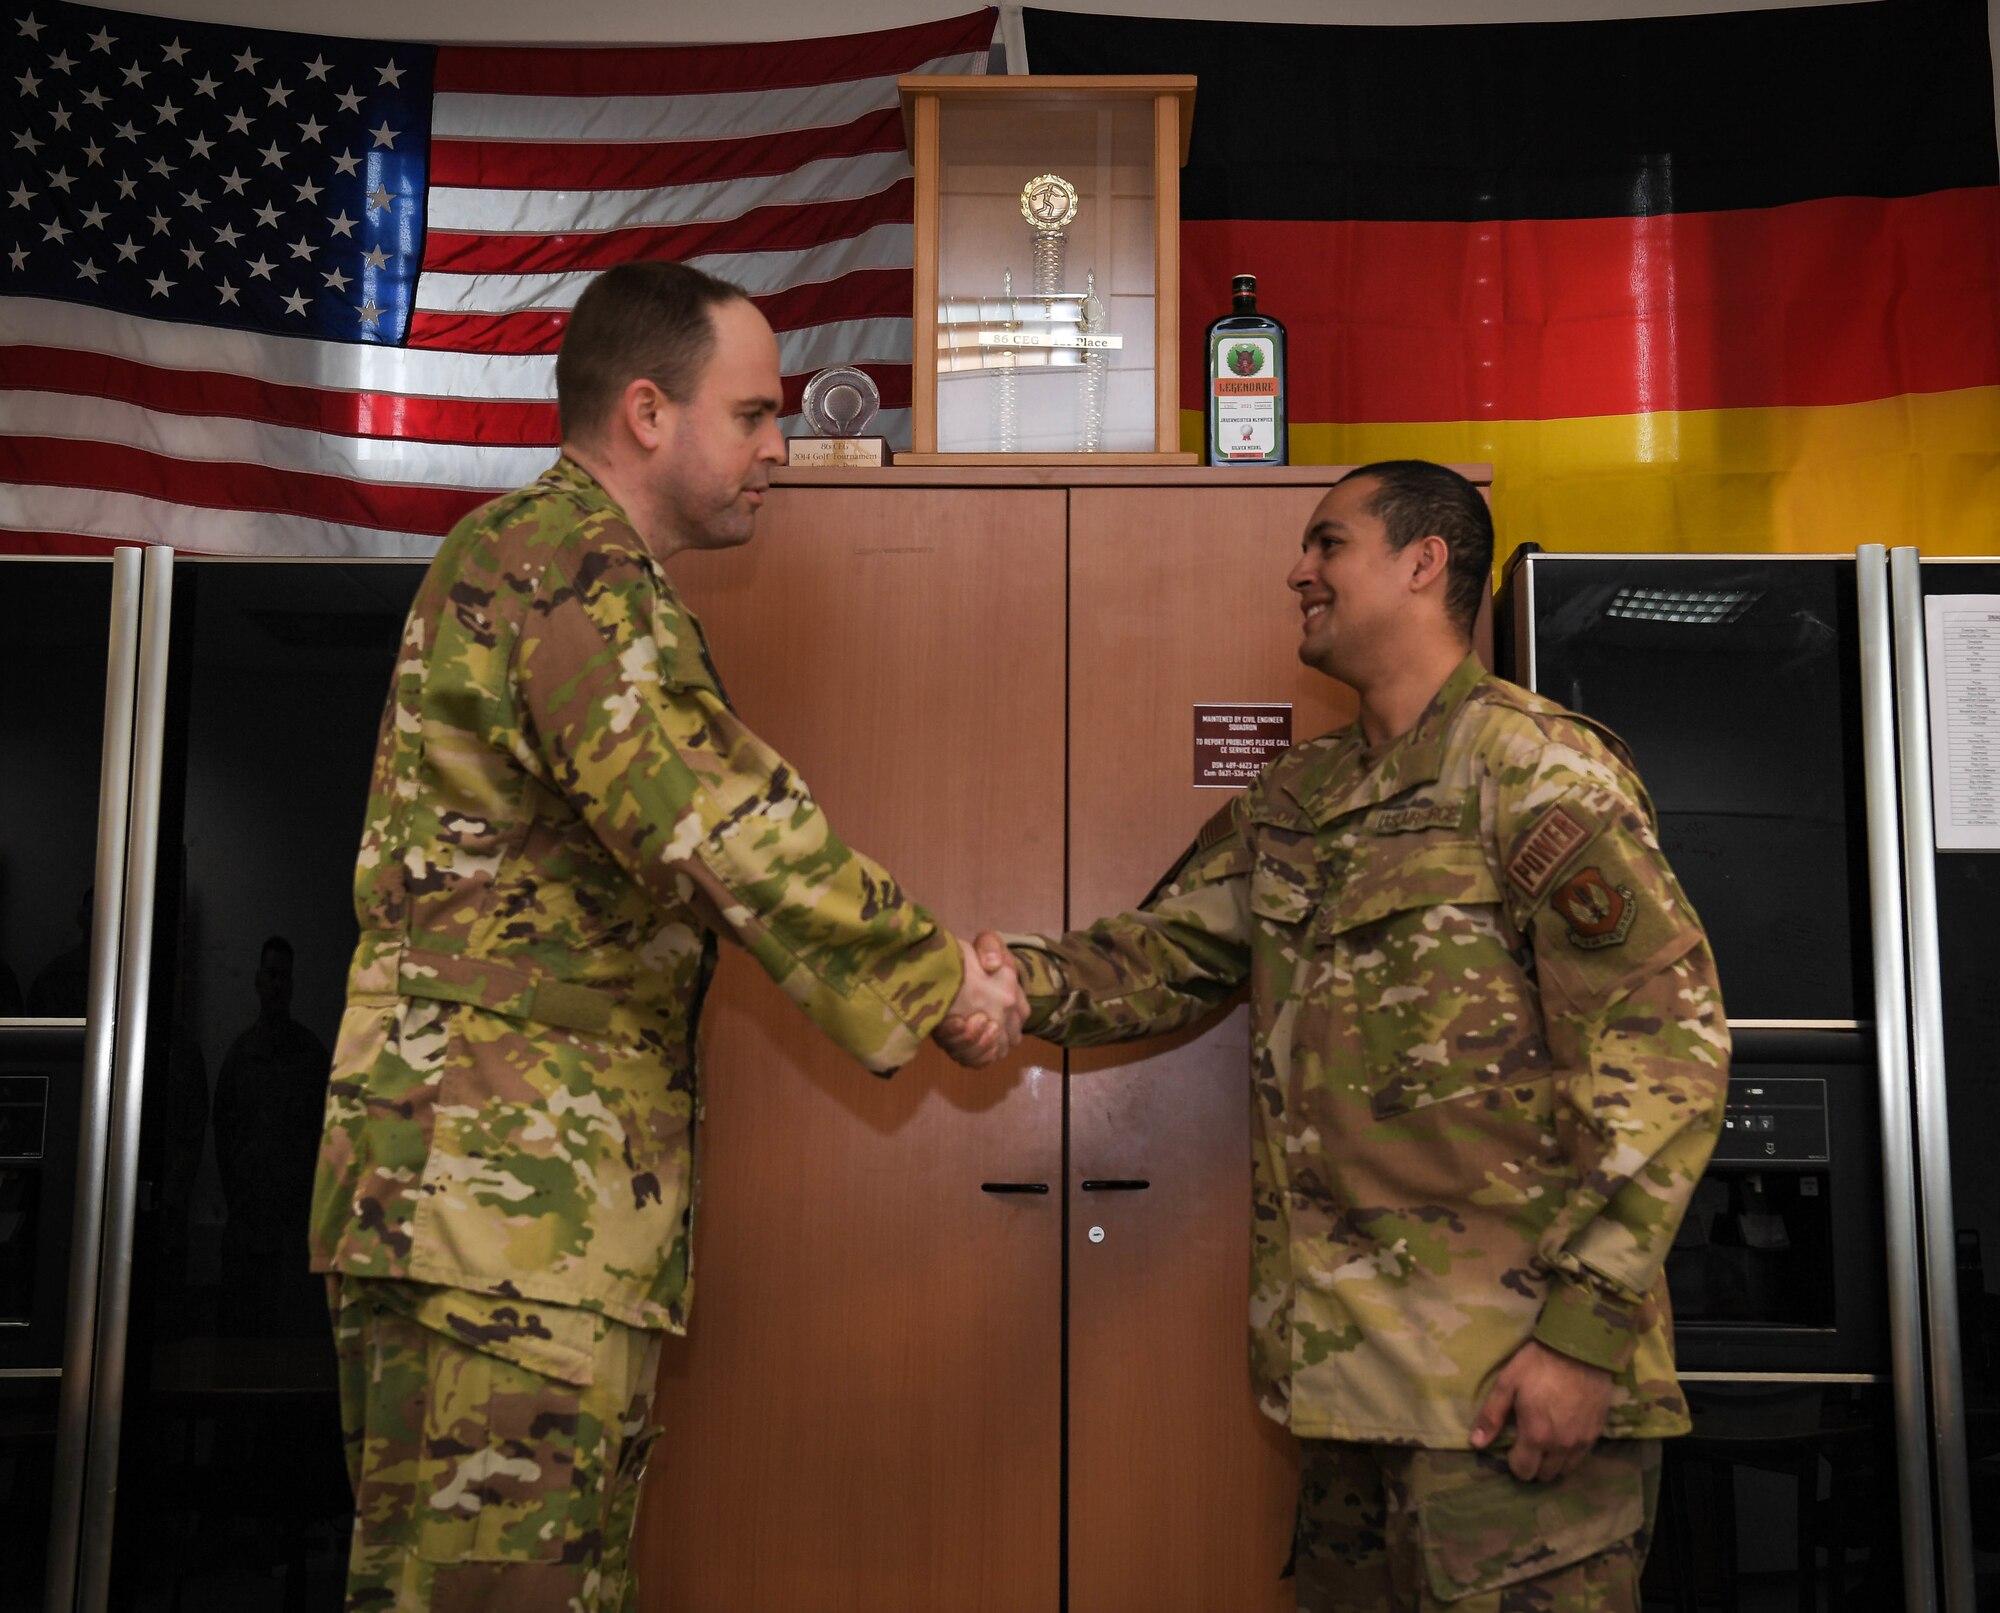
column 647, row 321
column 1417, row 499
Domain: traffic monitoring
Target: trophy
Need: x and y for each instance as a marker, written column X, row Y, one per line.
column 1048, row 329
column 839, row 404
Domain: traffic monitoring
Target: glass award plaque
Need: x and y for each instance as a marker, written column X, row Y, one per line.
column 839, row 405
column 1046, row 324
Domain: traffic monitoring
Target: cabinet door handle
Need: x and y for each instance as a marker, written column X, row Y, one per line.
column 1115, row 1185
column 1013, row 1187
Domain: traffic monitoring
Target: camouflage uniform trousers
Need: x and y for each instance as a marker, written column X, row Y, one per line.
column 482, row 1484
column 1397, row 1529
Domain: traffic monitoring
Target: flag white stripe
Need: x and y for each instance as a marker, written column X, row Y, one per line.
column 133, row 518
column 463, row 210
column 399, row 460
column 286, row 360
column 886, row 246
column 727, row 115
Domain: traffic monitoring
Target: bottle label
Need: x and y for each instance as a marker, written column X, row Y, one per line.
column 1246, row 397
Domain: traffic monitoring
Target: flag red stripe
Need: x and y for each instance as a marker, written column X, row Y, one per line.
column 67, row 543
column 631, row 165
column 1821, row 302
column 766, row 229
column 494, row 423
column 864, row 294
column 115, row 468
column 704, row 69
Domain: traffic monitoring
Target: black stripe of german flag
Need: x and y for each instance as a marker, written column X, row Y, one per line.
column 1562, row 120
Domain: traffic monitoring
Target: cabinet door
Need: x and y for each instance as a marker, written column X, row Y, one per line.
column 1180, row 1492
column 865, row 1413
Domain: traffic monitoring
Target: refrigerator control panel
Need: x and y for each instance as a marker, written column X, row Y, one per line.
column 1774, row 1122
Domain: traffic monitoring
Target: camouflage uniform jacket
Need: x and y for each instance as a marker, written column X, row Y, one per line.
column 564, row 813
column 1488, row 1058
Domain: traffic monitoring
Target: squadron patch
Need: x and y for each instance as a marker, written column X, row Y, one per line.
column 1599, row 913
column 1554, row 839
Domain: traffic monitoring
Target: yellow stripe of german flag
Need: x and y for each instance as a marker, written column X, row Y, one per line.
column 1922, row 469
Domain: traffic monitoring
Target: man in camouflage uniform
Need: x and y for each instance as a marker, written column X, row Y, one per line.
column 564, row 815
column 1488, row 1059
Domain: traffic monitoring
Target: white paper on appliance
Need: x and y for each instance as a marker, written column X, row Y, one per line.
column 1962, row 642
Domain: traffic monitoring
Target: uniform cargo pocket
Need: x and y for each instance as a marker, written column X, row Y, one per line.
column 499, row 1456
column 1482, row 1529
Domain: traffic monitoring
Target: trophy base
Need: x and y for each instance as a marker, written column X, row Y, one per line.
column 837, row 452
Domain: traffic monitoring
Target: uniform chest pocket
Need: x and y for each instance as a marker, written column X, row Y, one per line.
column 1442, row 1001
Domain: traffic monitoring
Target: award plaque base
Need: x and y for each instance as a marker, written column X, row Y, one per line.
column 837, row 452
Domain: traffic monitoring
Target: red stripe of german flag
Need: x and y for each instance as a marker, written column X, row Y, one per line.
column 1823, row 302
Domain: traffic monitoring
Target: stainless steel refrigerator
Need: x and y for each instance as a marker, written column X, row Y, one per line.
column 188, row 744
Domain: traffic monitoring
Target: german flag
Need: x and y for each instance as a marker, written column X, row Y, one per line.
column 1709, row 282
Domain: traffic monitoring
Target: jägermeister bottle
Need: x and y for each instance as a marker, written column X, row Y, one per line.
column 1246, row 383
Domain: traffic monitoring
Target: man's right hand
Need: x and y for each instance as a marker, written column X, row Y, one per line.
column 985, row 1021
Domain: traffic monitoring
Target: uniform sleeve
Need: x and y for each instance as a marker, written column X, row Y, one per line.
column 1157, row 968
column 626, row 717
column 1635, row 1028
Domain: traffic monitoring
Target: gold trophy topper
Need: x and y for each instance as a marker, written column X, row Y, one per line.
column 1048, row 202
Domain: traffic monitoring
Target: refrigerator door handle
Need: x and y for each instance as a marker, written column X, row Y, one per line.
column 1926, row 982
column 107, row 1389
column 107, row 911
column 1892, row 1072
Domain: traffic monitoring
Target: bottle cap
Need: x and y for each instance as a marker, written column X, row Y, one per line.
column 1243, row 282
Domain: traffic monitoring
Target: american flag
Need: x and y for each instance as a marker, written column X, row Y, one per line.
column 271, row 293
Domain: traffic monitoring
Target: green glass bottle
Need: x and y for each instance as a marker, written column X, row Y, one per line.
column 1246, row 383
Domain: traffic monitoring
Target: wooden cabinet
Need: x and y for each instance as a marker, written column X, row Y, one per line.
column 988, row 678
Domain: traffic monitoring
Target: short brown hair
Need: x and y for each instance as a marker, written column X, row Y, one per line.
column 638, row 321
column 1416, row 499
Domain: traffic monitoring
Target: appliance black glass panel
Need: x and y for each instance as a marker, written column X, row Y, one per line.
column 52, row 663
column 232, row 1487
column 41, row 1097
column 27, row 1459
column 1783, row 1497
column 1737, row 686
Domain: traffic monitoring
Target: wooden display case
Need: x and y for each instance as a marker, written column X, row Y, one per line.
column 1011, row 363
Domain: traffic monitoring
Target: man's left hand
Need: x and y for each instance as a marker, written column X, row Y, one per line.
column 1558, row 1405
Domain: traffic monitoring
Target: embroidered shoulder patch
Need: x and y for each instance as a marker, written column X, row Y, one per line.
column 1218, row 828
column 1599, row 913
column 1551, row 842
column 1395, row 820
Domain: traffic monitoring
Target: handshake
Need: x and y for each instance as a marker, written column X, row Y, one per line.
column 986, row 1016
